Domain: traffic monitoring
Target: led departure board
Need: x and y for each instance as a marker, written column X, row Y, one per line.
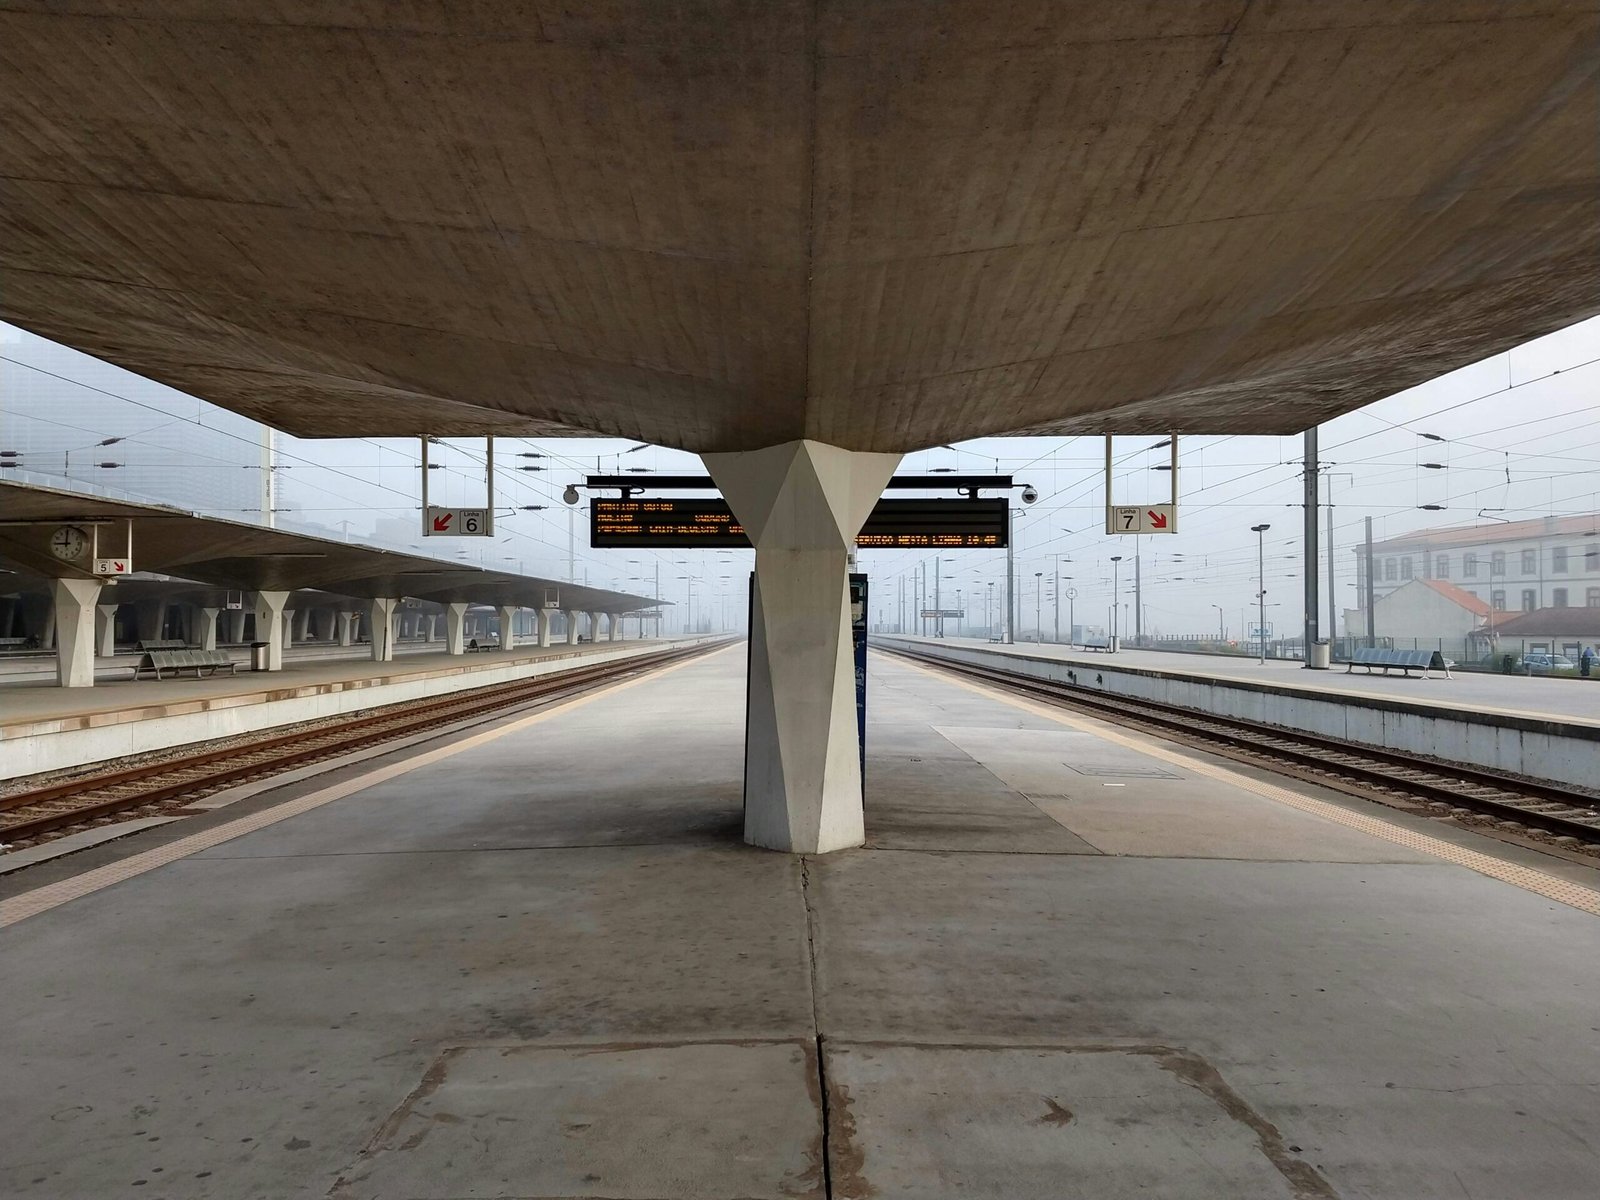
column 894, row 524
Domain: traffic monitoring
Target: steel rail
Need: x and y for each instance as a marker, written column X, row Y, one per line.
column 170, row 778
column 1459, row 785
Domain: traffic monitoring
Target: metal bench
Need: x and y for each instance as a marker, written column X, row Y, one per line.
column 1377, row 657
column 174, row 661
column 1096, row 643
column 161, row 644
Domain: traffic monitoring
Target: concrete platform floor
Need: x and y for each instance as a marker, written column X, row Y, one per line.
column 538, row 962
column 24, row 700
column 1549, row 698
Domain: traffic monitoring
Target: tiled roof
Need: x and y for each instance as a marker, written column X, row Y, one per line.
column 1551, row 622
column 1458, row 596
column 1496, row 531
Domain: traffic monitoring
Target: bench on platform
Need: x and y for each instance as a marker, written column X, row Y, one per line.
column 1375, row 657
column 474, row 646
column 1096, row 643
column 174, row 661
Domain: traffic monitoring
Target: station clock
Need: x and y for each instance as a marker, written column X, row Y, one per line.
column 69, row 543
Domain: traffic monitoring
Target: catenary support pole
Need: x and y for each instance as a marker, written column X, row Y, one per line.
column 1372, row 587
column 1312, row 603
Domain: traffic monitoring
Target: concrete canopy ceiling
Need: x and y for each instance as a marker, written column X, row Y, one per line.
column 721, row 225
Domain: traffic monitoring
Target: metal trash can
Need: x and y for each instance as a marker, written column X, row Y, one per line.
column 1321, row 656
column 258, row 656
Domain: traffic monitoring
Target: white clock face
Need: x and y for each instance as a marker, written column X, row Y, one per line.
column 69, row 543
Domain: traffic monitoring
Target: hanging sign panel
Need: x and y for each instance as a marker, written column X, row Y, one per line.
column 1142, row 518
column 894, row 524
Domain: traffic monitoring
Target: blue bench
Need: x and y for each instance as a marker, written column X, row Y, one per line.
column 1377, row 657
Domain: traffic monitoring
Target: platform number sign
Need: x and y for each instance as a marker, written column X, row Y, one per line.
column 1142, row 518
column 457, row 522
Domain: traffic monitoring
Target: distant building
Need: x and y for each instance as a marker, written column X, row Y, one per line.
column 1512, row 566
column 1424, row 610
column 1550, row 630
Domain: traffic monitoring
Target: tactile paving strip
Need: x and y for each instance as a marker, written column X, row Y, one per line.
column 52, row 895
column 1541, row 883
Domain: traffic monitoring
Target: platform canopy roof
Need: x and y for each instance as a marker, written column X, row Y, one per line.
column 232, row 555
column 721, row 225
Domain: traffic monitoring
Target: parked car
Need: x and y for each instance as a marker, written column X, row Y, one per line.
column 1548, row 664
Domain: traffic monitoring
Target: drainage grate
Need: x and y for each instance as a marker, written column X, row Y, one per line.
column 1122, row 772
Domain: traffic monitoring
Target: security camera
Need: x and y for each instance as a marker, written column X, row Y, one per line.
column 1030, row 494
column 570, row 496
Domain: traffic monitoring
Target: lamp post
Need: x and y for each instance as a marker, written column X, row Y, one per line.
column 1038, row 604
column 1222, row 633
column 1072, row 614
column 1116, row 593
column 1261, row 581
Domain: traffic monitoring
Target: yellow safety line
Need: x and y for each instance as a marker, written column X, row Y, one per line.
column 1541, row 883
column 52, row 895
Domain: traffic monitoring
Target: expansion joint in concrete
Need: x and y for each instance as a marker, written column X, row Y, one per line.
column 824, row 1153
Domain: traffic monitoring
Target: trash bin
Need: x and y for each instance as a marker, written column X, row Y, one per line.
column 258, row 656
column 1321, row 656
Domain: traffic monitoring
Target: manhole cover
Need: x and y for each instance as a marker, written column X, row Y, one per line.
column 1122, row 772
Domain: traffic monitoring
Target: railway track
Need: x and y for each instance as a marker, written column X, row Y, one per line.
column 32, row 813
column 1368, row 771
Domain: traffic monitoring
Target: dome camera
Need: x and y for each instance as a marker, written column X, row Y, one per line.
column 1030, row 494
column 570, row 496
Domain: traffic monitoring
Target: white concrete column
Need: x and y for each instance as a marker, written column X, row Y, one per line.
column 455, row 627
column 347, row 628
column 236, row 625
column 75, row 616
column 383, row 610
column 508, row 626
column 572, row 626
column 433, row 626
column 208, row 627
column 302, row 628
column 288, row 627
column 544, row 626
column 613, row 625
column 105, row 629
column 594, row 627
column 150, row 619
column 269, row 625
column 802, row 504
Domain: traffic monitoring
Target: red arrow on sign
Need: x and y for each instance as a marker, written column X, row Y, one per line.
column 442, row 524
column 1157, row 520
column 116, row 566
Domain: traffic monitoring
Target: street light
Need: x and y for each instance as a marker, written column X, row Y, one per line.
column 1261, row 580
column 1038, row 598
column 1116, row 593
column 1222, row 632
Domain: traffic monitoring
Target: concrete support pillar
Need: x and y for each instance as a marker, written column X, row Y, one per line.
column 544, row 627
column 508, row 626
column 383, row 610
column 302, row 631
column 347, row 628
column 433, row 626
column 594, row 627
column 572, row 626
column 269, row 625
column 455, row 628
column 288, row 627
column 208, row 627
column 236, row 618
column 613, row 626
column 802, row 504
column 75, row 616
column 105, row 629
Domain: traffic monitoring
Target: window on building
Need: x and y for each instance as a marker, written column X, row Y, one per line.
column 1497, row 563
column 1497, row 599
column 1560, row 595
column 1530, row 562
column 1389, row 568
column 1441, row 567
column 1529, row 600
column 1591, row 598
column 1558, row 559
column 1469, row 565
column 1405, row 568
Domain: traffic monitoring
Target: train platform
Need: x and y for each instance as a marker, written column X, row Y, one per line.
column 1538, row 727
column 44, row 727
column 536, row 960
